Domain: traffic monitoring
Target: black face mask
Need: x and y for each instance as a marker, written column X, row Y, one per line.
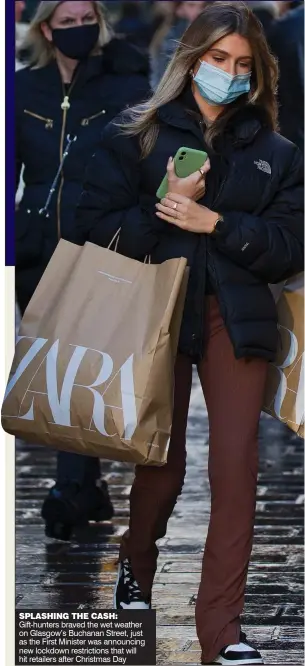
column 76, row 43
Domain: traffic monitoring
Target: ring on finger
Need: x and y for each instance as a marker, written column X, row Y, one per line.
column 175, row 206
column 202, row 172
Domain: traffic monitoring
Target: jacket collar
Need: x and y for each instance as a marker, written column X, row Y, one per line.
column 49, row 76
column 183, row 112
column 118, row 57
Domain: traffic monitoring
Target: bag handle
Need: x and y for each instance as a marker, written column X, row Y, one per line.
column 116, row 239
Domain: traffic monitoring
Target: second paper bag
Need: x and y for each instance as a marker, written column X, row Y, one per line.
column 284, row 394
column 93, row 371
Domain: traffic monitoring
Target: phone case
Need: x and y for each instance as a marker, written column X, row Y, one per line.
column 187, row 161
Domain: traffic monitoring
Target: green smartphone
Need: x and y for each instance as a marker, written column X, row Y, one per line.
column 187, row 161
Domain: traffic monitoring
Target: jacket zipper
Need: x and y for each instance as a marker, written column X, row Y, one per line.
column 220, row 191
column 86, row 121
column 48, row 121
column 65, row 105
column 201, row 124
column 225, row 179
column 211, row 266
column 201, row 331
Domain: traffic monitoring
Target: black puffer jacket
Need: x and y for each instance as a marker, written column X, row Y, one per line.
column 255, row 181
column 101, row 88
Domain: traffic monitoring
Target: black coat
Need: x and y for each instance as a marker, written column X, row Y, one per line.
column 255, row 181
column 287, row 43
column 100, row 89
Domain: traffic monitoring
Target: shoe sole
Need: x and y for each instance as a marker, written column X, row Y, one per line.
column 114, row 597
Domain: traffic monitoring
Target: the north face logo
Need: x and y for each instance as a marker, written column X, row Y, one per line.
column 263, row 166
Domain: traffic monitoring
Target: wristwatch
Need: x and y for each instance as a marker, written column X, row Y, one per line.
column 217, row 224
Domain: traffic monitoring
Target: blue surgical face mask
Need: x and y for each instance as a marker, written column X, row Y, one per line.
column 219, row 87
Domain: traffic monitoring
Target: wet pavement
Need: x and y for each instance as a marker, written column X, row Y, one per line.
column 80, row 574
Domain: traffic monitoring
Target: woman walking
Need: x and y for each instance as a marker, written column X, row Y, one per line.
column 239, row 222
column 79, row 79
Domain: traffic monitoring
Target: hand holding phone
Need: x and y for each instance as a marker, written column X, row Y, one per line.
column 186, row 174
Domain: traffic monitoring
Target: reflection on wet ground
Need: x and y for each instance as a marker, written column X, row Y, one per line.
column 80, row 574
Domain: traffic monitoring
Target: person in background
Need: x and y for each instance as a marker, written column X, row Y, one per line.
column 189, row 10
column 167, row 10
column 239, row 221
column 79, row 78
column 30, row 9
column 141, row 21
column 287, row 43
column 267, row 13
column 163, row 8
column 131, row 25
column 19, row 8
column 20, row 29
column 285, row 7
column 20, row 32
column 183, row 14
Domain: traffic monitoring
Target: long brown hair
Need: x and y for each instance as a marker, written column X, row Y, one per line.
column 217, row 20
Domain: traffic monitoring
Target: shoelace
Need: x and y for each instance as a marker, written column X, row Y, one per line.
column 133, row 588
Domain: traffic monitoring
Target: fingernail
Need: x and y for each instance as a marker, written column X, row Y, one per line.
column 170, row 159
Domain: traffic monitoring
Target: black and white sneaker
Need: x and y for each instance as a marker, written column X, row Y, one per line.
column 241, row 654
column 127, row 594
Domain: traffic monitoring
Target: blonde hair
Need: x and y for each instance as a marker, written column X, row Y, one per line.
column 40, row 50
column 217, row 20
column 163, row 30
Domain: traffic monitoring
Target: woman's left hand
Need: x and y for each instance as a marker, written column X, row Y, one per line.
column 186, row 214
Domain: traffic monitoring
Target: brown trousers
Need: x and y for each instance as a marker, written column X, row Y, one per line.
column 233, row 391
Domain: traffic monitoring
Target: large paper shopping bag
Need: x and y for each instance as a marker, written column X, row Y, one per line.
column 93, row 371
column 284, row 396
